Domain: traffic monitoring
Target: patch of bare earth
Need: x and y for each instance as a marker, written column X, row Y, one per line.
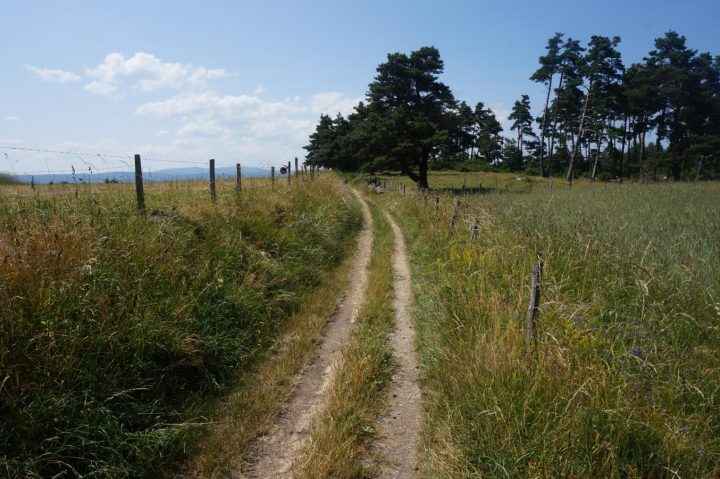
column 399, row 427
column 277, row 454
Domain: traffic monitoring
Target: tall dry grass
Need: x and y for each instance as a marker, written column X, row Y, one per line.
column 117, row 329
column 625, row 376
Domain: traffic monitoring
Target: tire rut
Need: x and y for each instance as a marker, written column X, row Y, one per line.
column 399, row 428
column 277, row 454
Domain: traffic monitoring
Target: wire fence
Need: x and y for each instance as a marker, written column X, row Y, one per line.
column 22, row 163
column 72, row 172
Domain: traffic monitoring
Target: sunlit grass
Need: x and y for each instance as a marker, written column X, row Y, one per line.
column 116, row 329
column 624, row 379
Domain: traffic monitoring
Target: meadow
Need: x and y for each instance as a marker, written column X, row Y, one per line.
column 119, row 330
column 624, row 378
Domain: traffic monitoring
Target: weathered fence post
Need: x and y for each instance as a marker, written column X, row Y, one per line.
column 475, row 230
column 272, row 176
column 139, row 192
column 437, row 202
column 289, row 173
column 454, row 215
column 238, row 177
column 297, row 171
column 551, row 184
column 213, row 193
column 534, row 303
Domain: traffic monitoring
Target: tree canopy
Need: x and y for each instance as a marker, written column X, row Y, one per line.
column 657, row 117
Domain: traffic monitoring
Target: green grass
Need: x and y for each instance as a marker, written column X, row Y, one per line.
column 117, row 330
column 475, row 181
column 624, row 380
column 343, row 432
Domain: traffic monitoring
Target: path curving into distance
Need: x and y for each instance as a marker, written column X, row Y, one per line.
column 278, row 453
column 399, row 428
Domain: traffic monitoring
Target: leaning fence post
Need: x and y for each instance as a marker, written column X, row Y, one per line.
column 238, row 177
column 139, row 192
column 534, row 302
column 454, row 215
column 213, row 193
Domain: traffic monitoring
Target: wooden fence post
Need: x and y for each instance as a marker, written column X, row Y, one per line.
column 213, row 193
column 454, row 215
column 437, row 203
column 139, row 192
column 297, row 171
column 475, row 230
column 238, row 177
column 534, row 303
column 289, row 173
column 272, row 176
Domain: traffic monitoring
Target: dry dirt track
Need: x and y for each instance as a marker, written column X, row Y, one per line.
column 277, row 453
column 399, row 428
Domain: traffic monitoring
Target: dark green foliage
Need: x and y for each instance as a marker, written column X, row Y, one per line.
column 6, row 179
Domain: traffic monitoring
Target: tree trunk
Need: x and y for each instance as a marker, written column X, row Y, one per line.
column 422, row 182
column 542, row 127
column 624, row 141
column 554, row 127
column 573, row 158
column 643, row 166
column 597, row 153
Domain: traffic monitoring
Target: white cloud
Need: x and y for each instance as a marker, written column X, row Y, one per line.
column 259, row 90
column 162, row 132
column 101, row 88
column 10, row 141
column 204, row 129
column 332, row 102
column 54, row 75
column 147, row 72
column 248, row 128
column 228, row 106
column 12, row 118
column 501, row 114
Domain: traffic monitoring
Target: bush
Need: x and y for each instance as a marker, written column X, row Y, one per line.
column 604, row 176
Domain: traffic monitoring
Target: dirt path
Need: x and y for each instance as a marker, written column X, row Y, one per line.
column 277, row 453
column 400, row 428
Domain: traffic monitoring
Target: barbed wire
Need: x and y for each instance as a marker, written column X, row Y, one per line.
column 60, row 152
column 128, row 167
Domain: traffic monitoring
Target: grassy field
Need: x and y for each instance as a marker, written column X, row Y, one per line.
column 485, row 181
column 117, row 330
column 624, row 380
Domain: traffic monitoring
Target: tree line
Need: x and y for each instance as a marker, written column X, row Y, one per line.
column 659, row 118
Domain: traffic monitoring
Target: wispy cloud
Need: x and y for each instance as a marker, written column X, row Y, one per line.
column 54, row 75
column 147, row 72
column 12, row 118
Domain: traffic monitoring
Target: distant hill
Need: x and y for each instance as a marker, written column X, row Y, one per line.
column 172, row 174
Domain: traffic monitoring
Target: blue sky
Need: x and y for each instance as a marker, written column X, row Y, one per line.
column 183, row 81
